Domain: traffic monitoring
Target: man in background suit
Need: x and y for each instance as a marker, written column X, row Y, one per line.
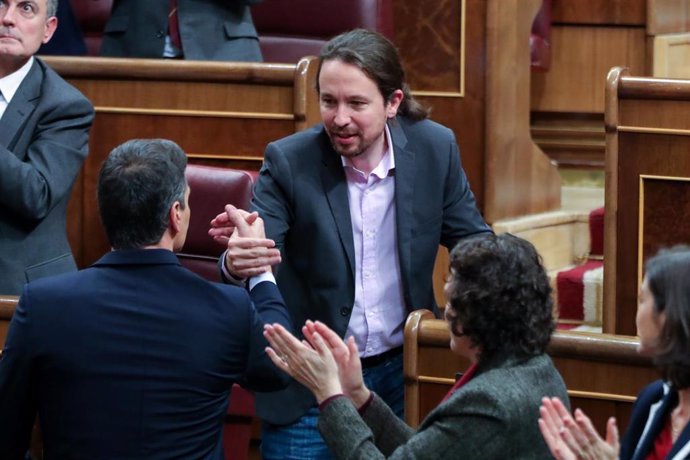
column 134, row 357
column 357, row 206
column 68, row 39
column 215, row 30
column 44, row 126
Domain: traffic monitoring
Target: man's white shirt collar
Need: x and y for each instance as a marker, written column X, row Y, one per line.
column 10, row 84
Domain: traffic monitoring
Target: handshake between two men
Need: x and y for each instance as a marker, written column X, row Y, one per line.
column 249, row 252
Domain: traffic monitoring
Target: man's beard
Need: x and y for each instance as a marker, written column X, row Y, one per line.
column 346, row 152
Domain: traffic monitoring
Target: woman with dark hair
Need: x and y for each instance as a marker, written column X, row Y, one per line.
column 659, row 424
column 499, row 313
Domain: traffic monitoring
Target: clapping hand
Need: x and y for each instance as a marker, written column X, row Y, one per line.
column 571, row 438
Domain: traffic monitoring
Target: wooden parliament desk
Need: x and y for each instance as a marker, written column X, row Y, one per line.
column 647, row 184
column 220, row 113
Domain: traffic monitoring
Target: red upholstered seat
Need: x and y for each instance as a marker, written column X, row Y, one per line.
column 211, row 189
column 291, row 29
column 92, row 16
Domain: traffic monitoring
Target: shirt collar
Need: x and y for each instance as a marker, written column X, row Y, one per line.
column 387, row 163
column 10, row 83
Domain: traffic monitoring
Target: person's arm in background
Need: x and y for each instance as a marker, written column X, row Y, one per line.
column 31, row 187
column 461, row 217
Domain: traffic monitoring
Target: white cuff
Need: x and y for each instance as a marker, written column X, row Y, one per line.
column 265, row 276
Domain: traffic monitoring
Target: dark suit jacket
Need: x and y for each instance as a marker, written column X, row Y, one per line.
column 132, row 358
column 43, row 143
column 68, row 39
column 302, row 196
column 653, row 406
column 493, row 416
column 217, row 30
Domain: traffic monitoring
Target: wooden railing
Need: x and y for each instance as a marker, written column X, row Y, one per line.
column 7, row 306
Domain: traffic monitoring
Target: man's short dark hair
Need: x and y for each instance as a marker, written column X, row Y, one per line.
column 500, row 296
column 138, row 183
column 667, row 276
column 378, row 58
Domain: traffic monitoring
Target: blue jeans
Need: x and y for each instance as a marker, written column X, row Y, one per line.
column 302, row 440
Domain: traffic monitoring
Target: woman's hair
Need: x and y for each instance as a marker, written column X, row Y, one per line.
column 668, row 278
column 499, row 296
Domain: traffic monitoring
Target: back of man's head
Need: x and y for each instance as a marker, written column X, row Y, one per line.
column 138, row 184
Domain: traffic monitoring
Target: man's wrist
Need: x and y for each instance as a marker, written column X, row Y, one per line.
column 229, row 277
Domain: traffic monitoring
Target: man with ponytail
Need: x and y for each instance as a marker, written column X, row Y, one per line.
column 357, row 206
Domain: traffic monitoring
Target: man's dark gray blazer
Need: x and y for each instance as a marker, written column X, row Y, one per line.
column 214, row 30
column 132, row 358
column 43, row 143
column 302, row 196
column 493, row 416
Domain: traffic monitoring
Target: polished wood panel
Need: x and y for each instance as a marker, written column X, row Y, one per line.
column 572, row 140
column 603, row 373
column 589, row 37
column 647, row 161
column 618, row 12
column 520, row 179
column 581, row 58
column 668, row 16
column 219, row 113
column 463, row 112
column 665, row 205
column 432, row 34
column 671, row 56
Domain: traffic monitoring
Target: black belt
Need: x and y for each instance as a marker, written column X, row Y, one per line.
column 373, row 361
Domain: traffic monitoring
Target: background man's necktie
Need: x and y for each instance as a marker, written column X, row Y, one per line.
column 174, row 26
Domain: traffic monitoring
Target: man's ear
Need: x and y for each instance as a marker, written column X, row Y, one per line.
column 394, row 101
column 175, row 218
column 51, row 25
